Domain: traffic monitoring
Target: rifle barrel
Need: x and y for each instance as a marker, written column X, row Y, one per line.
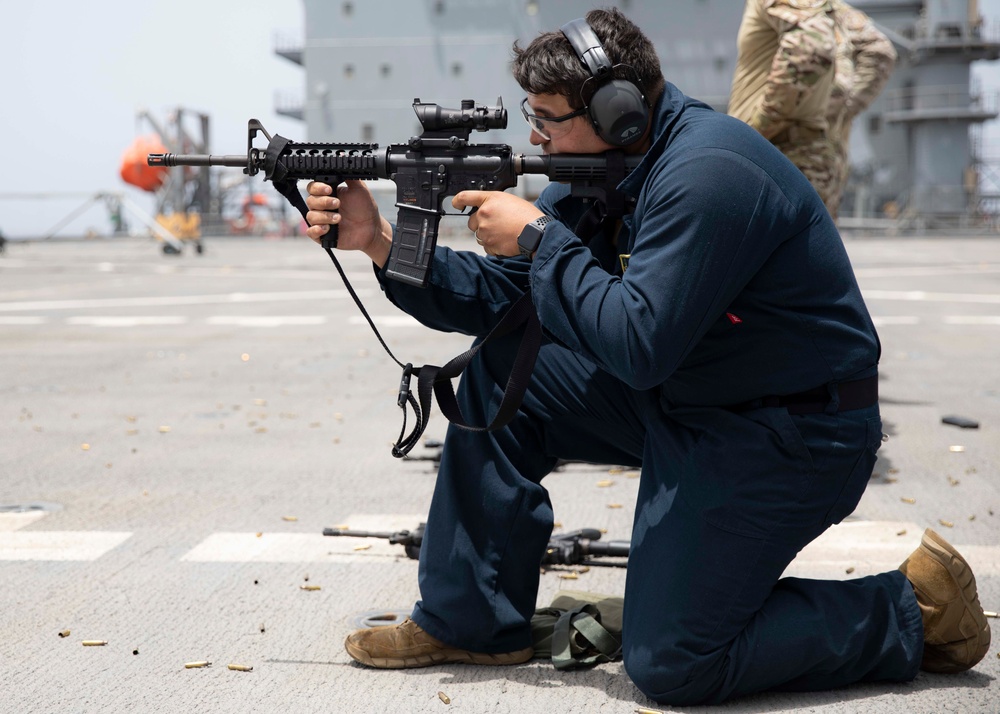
column 611, row 549
column 235, row 160
column 357, row 534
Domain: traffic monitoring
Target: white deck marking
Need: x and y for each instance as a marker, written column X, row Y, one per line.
column 869, row 547
column 272, row 547
column 385, row 320
column 924, row 296
column 266, row 320
column 380, row 320
column 59, row 545
column 895, row 320
column 6, row 320
column 904, row 271
column 10, row 522
column 972, row 320
column 124, row 321
column 159, row 301
column 864, row 547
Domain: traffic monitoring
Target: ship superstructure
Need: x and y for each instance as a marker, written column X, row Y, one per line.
column 917, row 160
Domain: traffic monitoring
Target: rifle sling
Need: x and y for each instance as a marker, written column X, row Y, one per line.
column 437, row 380
column 585, row 620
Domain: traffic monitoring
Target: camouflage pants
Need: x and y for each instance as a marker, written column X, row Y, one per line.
column 843, row 170
column 819, row 158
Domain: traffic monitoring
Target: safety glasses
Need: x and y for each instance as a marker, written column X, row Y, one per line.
column 548, row 127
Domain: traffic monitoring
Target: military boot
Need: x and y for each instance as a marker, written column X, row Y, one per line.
column 956, row 631
column 406, row 645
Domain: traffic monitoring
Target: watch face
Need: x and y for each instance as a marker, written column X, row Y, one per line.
column 531, row 236
column 529, row 239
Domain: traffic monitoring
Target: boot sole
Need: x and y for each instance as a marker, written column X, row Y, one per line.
column 960, row 570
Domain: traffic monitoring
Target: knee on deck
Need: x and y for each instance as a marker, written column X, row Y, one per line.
column 676, row 677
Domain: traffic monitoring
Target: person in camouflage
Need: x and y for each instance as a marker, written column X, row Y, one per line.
column 784, row 77
column 865, row 60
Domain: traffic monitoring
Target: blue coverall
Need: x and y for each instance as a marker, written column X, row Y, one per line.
column 738, row 286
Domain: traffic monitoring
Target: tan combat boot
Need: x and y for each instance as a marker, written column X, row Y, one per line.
column 956, row 632
column 406, row 645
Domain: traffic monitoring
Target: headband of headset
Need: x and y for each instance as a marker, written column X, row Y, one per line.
column 617, row 109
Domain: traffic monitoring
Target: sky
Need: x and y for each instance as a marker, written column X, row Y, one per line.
column 74, row 75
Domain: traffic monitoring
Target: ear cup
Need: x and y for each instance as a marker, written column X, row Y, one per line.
column 619, row 112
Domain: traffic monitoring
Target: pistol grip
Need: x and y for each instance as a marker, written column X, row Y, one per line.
column 329, row 239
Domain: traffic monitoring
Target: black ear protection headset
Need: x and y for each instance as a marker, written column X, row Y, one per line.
column 617, row 109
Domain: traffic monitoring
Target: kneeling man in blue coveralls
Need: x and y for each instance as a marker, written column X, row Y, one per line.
column 718, row 339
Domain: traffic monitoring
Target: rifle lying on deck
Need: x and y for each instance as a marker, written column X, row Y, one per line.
column 573, row 548
column 428, row 168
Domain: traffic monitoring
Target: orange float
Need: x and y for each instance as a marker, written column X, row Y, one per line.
column 134, row 169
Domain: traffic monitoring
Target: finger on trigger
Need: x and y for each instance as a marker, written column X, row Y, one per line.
column 464, row 199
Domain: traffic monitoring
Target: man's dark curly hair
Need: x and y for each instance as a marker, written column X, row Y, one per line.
column 548, row 65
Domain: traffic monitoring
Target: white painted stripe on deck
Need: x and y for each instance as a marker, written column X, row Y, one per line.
column 10, row 522
column 266, row 320
column 307, row 547
column 924, row 296
column 904, row 271
column 895, row 320
column 291, row 548
column 126, row 321
column 217, row 320
column 385, row 320
column 863, row 547
column 159, row 301
column 59, row 545
column 380, row 320
column 870, row 547
column 972, row 320
column 9, row 320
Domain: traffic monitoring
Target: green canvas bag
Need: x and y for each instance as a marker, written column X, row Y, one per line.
column 579, row 629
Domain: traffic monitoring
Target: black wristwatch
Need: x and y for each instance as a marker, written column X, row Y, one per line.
column 531, row 236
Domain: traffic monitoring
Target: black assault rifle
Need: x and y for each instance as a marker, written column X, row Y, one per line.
column 428, row 168
column 573, row 548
